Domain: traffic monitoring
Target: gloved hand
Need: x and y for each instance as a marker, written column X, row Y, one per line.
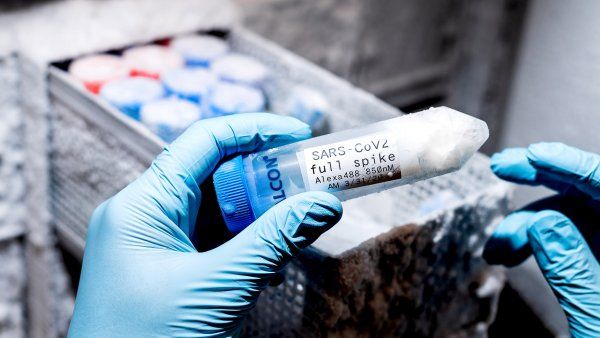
column 547, row 228
column 143, row 277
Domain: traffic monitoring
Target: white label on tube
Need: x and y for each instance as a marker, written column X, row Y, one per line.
column 353, row 163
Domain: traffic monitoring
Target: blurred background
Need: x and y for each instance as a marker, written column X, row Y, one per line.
column 529, row 68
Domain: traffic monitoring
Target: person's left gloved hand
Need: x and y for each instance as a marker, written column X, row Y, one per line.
column 143, row 277
column 553, row 229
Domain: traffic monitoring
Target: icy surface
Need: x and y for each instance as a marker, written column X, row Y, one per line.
column 59, row 29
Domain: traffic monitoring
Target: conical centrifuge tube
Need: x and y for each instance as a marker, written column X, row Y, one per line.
column 348, row 164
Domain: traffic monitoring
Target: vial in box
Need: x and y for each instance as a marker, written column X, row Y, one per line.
column 189, row 84
column 129, row 94
column 96, row 70
column 238, row 68
column 230, row 98
column 168, row 118
column 310, row 107
column 199, row 50
column 348, row 164
column 152, row 60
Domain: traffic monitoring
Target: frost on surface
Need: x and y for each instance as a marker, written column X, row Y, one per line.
column 420, row 279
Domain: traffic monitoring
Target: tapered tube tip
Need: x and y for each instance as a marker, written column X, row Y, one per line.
column 448, row 137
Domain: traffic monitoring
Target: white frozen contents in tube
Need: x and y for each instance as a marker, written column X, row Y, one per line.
column 444, row 138
column 426, row 144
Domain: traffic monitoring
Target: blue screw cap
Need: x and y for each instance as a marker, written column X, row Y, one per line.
column 232, row 194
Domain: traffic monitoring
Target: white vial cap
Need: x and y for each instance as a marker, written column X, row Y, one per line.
column 230, row 98
column 135, row 90
column 152, row 60
column 199, row 50
column 174, row 112
column 95, row 70
column 189, row 82
column 308, row 105
column 240, row 68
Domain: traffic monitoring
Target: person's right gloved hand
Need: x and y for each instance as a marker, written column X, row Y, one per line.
column 142, row 276
column 547, row 228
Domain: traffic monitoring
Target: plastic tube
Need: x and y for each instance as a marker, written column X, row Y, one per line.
column 348, row 164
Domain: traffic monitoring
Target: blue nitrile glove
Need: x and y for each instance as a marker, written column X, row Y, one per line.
column 143, row 277
column 547, row 228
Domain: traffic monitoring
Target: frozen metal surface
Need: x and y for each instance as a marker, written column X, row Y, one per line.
column 54, row 30
column 12, row 190
column 384, row 270
column 12, row 284
column 419, row 279
column 48, row 296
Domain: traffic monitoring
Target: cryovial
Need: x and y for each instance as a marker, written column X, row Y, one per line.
column 230, row 98
column 96, row 70
column 309, row 106
column 169, row 117
column 199, row 50
column 238, row 68
column 189, row 84
column 152, row 60
column 349, row 163
column 129, row 94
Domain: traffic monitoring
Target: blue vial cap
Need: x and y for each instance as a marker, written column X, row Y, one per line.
column 189, row 84
column 232, row 194
column 229, row 98
column 129, row 94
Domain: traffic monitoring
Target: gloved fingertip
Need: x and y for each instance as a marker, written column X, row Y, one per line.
column 511, row 164
column 570, row 268
column 298, row 127
column 313, row 213
column 547, row 154
column 325, row 206
column 509, row 245
column 301, row 219
column 285, row 126
column 553, row 237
